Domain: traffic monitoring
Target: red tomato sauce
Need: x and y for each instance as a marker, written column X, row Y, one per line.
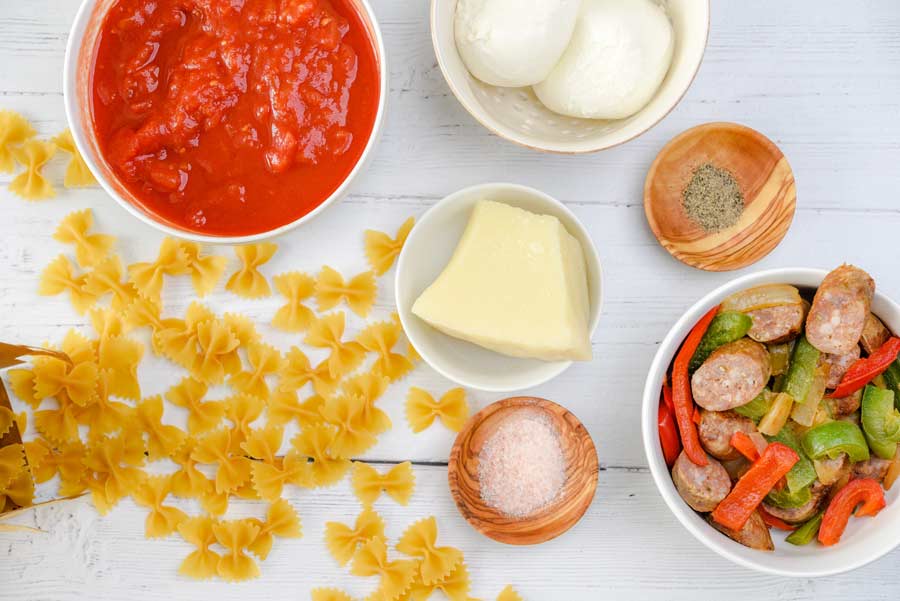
column 233, row 117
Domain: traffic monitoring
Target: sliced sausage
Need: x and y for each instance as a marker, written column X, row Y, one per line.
column 844, row 406
column 839, row 365
column 736, row 469
column 839, row 309
column 874, row 467
column 830, row 471
column 733, row 375
column 874, row 334
column 755, row 534
column 774, row 325
column 701, row 487
column 717, row 428
column 798, row 515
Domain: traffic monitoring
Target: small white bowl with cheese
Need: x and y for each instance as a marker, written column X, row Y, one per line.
column 486, row 47
column 492, row 277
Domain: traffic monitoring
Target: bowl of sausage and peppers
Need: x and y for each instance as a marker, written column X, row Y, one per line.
column 771, row 421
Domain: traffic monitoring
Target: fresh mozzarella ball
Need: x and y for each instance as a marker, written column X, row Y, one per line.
column 513, row 43
column 619, row 55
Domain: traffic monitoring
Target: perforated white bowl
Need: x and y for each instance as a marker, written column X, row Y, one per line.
column 517, row 115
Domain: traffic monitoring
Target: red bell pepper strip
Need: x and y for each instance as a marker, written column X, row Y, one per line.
column 697, row 417
column 735, row 509
column 667, row 395
column 774, row 522
column 745, row 446
column 865, row 493
column 681, row 391
column 863, row 371
column 668, row 434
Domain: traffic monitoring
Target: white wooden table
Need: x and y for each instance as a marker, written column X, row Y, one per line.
column 822, row 79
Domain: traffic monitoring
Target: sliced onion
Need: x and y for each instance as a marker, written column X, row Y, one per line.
column 805, row 411
column 762, row 297
column 893, row 471
column 773, row 421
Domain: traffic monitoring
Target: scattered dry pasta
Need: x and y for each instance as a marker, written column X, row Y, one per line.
column 14, row 130
column 296, row 287
column 422, row 409
column 148, row 277
column 399, row 483
column 31, row 183
column 205, row 270
column 248, row 282
column 381, row 250
column 359, row 293
column 90, row 249
column 395, row 576
column 77, row 173
column 315, row 444
column 342, row 540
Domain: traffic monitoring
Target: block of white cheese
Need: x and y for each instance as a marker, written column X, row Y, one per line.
column 516, row 284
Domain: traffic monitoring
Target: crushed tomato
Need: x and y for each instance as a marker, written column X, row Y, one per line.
column 233, row 117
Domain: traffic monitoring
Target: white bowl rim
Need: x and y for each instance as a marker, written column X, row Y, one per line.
column 595, row 314
column 70, row 100
column 710, row 537
column 511, row 136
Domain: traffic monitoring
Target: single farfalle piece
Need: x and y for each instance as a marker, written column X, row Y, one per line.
column 236, row 536
column 297, row 372
column 285, row 407
column 115, row 462
column 233, row 470
column 203, row 416
column 370, row 386
column 178, row 339
column 380, row 338
column 282, row 521
column 242, row 410
column 263, row 443
column 422, row 409
column 31, row 183
column 78, row 348
column 104, row 415
column 22, row 383
column 509, row 594
column 381, row 250
column 342, row 540
column 269, row 479
column 201, row 563
column 53, row 376
column 295, row 287
column 420, row 541
column 329, row 594
column 264, row 360
column 188, row 481
column 162, row 519
column 144, row 313
column 162, row 440
column 359, row 293
column 315, row 444
column 243, row 327
column 248, row 282
column 396, row 576
column 205, row 270
column 77, row 173
column 327, row 332
column 347, row 414
column 59, row 277
column 58, row 425
column 218, row 356
column 90, row 249
column 455, row 586
column 399, row 483
column 119, row 357
column 106, row 278
column 107, row 324
column 14, row 130
column 16, row 482
column 172, row 260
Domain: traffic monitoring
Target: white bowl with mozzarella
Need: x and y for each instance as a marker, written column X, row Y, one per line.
column 530, row 48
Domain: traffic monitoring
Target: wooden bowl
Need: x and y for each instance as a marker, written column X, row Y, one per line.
column 763, row 174
column 582, row 468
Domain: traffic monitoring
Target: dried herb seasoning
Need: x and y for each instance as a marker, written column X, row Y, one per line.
column 713, row 198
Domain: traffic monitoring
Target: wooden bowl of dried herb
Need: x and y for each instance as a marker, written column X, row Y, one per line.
column 720, row 196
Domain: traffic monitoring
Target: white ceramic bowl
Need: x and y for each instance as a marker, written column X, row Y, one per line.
column 865, row 540
column 517, row 115
column 83, row 39
column 428, row 250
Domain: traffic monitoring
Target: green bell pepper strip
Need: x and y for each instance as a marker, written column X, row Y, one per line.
column 880, row 421
column 787, row 499
column 806, row 533
column 804, row 472
column 802, row 370
column 726, row 327
column 892, row 379
column 758, row 407
column 833, row 438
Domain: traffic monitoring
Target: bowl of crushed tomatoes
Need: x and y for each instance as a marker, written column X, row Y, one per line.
column 789, row 487
column 221, row 121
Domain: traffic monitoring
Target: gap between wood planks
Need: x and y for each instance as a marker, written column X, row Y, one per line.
column 636, row 469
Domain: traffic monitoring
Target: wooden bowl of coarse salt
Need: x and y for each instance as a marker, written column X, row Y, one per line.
column 523, row 470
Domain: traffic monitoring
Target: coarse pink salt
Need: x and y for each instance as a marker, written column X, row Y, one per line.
column 521, row 467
